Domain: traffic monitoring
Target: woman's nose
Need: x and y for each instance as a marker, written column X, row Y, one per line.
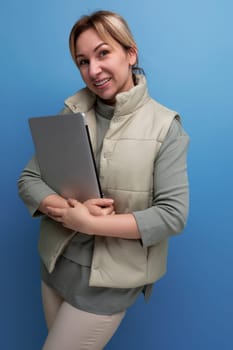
column 94, row 68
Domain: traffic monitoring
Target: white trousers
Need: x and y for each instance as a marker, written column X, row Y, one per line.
column 73, row 329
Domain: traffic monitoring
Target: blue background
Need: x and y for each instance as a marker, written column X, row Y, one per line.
column 186, row 49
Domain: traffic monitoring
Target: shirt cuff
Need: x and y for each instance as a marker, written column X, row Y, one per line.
column 150, row 235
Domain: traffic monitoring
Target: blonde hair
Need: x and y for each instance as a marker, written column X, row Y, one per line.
column 109, row 26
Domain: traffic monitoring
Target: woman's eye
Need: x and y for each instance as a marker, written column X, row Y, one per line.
column 82, row 62
column 103, row 53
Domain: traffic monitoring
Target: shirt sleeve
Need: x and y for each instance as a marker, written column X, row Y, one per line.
column 32, row 189
column 169, row 210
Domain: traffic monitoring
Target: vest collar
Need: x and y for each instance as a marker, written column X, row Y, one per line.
column 126, row 102
column 129, row 101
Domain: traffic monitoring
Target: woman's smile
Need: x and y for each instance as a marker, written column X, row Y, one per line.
column 102, row 83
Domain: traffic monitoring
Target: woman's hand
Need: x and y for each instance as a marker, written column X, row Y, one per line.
column 77, row 216
column 53, row 200
column 100, row 206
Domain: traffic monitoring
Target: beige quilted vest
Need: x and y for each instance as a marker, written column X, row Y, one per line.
column 130, row 148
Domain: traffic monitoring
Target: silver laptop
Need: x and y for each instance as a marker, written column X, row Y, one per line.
column 65, row 156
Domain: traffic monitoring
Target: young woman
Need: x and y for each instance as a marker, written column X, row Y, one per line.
column 98, row 256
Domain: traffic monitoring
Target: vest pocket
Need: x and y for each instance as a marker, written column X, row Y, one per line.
column 118, row 263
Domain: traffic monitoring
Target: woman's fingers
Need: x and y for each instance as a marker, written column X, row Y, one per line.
column 72, row 202
column 54, row 212
column 101, row 202
column 107, row 210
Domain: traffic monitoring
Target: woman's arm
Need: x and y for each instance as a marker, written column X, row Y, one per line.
column 37, row 196
column 33, row 191
column 77, row 217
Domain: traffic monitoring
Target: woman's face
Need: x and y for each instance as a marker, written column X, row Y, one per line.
column 104, row 67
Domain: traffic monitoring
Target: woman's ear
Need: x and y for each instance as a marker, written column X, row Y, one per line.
column 132, row 54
